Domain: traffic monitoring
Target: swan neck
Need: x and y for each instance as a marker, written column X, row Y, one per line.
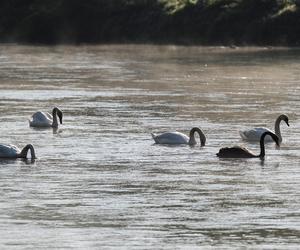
column 24, row 152
column 192, row 140
column 32, row 151
column 262, row 147
column 262, row 142
column 54, row 117
column 277, row 129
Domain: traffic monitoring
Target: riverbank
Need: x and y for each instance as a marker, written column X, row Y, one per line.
column 219, row 22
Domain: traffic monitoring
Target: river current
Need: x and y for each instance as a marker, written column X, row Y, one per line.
column 100, row 182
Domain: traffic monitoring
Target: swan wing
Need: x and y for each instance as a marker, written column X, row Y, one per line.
column 235, row 152
column 41, row 119
column 8, row 151
column 254, row 134
column 171, row 138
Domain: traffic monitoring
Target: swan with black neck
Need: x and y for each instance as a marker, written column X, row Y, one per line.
column 255, row 133
column 44, row 120
column 241, row 152
column 13, row 152
column 179, row 138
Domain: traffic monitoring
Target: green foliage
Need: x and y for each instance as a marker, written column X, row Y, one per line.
column 173, row 6
column 167, row 21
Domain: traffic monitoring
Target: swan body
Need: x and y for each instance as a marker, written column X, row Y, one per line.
column 256, row 133
column 179, row 138
column 171, row 138
column 44, row 120
column 241, row 152
column 13, row 152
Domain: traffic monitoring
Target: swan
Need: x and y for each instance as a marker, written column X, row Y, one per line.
column 241, row 152
column 13, row 152
column 179, row 138
column 44, row 120
column 255, row 133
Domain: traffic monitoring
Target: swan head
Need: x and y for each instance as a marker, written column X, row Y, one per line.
column 284, row 118
column 60, row 116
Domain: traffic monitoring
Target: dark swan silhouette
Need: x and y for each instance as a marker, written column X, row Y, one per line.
column 179, row 138
column 44, row 120
column 13, row 152
column 241, row 152
column 255, row 133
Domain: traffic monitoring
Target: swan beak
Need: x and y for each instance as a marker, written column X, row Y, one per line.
column 287, row 123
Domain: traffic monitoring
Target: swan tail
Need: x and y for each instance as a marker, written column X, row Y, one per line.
column 243, row 135
column 154, row 137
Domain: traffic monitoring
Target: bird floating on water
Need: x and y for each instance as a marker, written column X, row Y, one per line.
column 45, row 120
column 255, row 133
column 13, row 152
column 179, row 138
column 241, row 152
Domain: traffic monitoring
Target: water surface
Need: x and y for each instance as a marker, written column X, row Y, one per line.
column 99, row 181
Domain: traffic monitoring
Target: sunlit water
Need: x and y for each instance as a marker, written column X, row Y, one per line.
column 99, row 181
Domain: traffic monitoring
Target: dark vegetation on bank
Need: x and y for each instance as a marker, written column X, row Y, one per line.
column 214, row 22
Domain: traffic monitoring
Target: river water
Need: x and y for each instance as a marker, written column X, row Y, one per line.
column 100, row 182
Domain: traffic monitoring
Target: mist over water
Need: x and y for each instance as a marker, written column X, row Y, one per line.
column 100, row 182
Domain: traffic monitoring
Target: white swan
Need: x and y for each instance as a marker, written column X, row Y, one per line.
column 179, row 138
column 241, row 152
column 255, row 133
column 13, row 152
column 44, row 120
